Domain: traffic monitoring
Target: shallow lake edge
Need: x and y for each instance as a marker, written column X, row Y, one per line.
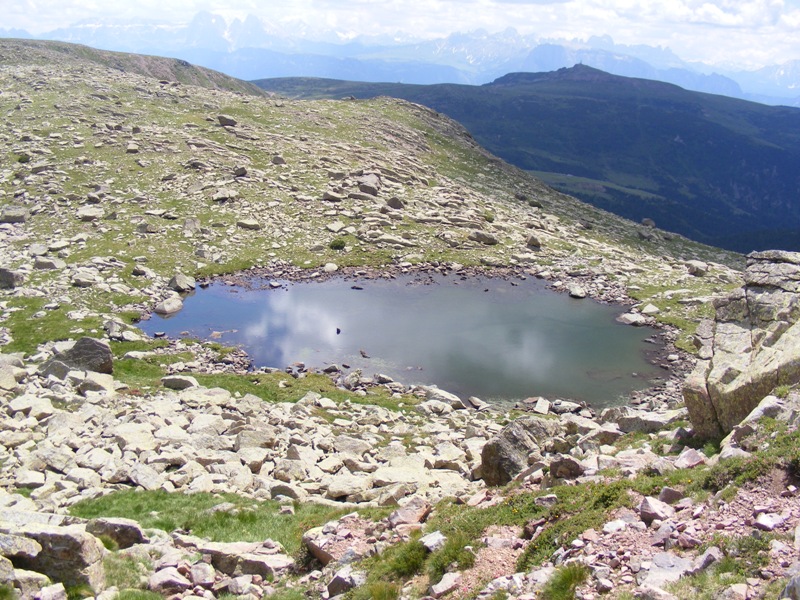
column 612, row 293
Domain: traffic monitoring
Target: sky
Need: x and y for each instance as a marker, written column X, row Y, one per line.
column 745, row 33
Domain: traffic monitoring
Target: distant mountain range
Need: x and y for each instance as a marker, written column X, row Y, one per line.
column 719, row 170
column 252, row 49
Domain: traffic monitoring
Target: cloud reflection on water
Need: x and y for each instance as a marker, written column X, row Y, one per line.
column 504, row 343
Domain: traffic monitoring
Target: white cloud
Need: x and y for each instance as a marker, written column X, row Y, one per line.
column 744, row 31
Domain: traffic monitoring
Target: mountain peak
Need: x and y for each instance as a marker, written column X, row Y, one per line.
column 578, row 72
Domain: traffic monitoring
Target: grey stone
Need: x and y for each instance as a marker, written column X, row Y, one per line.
column 10, row 279
column 669, row 495
column 370, row 184
column 250, row 224
column 634, row 319
column 89, row 354
column 179, row 382
column 182, row 283
column 346, row 578
column 46, row 263
column 577, row 291
column 792, row 589
column 413, row 512
column 53, row 592
column 697, row 268
column 433, row 541
column 169, row 306
column 226, row 121
column 506, row 454
column 769, row 521
column 533, row 241
column 689, row 458
column 666, row 567
column 125, row 532
column 705, row 560
column 483, row 237
column 566, row 467
column 90, row 213
column 168, row 581
column 649, row 592
column 202, row 574
column 29, row 583
column 16, row 546
column 145, row 476
column 14, row 214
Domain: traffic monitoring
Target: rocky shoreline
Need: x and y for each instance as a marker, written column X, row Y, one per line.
column 675, row 363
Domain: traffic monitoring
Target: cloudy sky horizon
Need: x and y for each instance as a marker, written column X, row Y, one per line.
column 742, row 33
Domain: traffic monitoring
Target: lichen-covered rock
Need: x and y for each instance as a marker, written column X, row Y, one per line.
column 753, row 345
column 89, row 354
column 69, row 554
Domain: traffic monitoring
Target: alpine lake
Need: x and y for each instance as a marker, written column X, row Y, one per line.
column 498, row 339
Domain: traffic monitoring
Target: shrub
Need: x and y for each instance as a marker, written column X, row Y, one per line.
column 408, row 559
column 565, row 581
column 378, row 590
column 337, row 244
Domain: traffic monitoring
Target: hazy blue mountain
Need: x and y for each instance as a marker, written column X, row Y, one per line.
column 716, row 169
column 476, row 57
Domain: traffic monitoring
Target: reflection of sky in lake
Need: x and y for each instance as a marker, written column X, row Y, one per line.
column 476, row 337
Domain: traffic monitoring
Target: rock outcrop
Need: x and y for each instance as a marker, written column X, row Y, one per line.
column 752, row 346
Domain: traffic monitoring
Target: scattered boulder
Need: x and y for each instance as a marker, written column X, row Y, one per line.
column 69, row 554
column 169, row 306
column 182, row 283
column 14, row 214
column 125, row 532
column 506, row 454
column 227, row 121
column 483, row 237
column 88, row 354
column 10, row 279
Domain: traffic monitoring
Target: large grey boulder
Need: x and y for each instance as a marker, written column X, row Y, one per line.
column 752, row 346
column 88, row 354
column 370, row 183
column 506, row 454
column 69, row 554
column 125, row 532
column 9, row 279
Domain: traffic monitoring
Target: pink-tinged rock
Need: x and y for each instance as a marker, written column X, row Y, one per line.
column 687, row 541
column 689, row 459
column 449, row 583
column 769, row 521
column 651, row 509
column 203, row 574
column 168, row 581
column 414, row 511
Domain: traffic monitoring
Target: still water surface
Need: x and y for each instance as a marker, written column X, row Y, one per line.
column 473, row 337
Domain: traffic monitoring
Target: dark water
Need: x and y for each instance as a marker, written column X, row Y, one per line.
column 476, row 337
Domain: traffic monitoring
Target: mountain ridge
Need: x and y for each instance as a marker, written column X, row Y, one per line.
column 714, row 168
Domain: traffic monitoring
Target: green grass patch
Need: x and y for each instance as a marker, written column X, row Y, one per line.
column 250, row 521
column 126, row 572
column 138, row 595
column 28, row 332
column 377, row 590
